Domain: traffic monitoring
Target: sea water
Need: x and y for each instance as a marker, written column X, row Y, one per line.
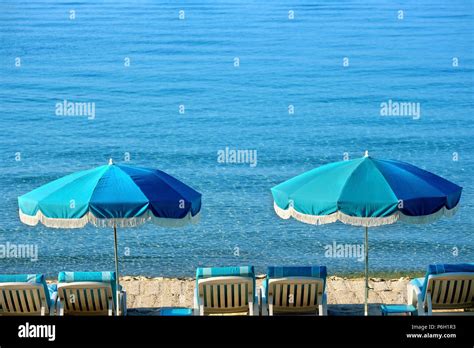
column 173, row 85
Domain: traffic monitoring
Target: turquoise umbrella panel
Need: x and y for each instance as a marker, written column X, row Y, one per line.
column 116, row 195
column 61, row 197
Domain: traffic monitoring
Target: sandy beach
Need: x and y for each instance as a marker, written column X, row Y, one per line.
column 145, row 296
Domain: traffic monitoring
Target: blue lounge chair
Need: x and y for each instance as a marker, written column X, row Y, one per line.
column 444, row 287
column 225, row 290
column 26, row 294
column 89, row 293
column 294, row 290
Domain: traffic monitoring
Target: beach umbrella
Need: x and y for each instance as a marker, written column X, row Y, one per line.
column 366, row 192
column 111, row 196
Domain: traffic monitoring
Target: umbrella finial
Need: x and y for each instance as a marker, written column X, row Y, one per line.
column 366, row 153
column 110, row 161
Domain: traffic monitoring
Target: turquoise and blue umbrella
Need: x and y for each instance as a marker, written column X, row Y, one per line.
column 111, row 196
column 366, row 192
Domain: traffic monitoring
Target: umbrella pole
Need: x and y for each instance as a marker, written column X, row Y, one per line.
column 366, row 249
column 117, row 291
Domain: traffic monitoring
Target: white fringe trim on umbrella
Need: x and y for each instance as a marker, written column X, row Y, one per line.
column 98, row 222
column 360, row 221
column 425, row 219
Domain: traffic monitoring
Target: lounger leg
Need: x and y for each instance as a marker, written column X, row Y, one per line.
column 111, row 306
column 60, row 307
column 253, row 308
column 124, row 302
column 52, row 309
column 323, row 307
column 270, row 305
column 201, row 305
column 195, row 303
column 118, row 303
column 429, row 304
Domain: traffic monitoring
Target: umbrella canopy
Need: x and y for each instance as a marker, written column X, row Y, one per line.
column 366, row 192
column 111, row 195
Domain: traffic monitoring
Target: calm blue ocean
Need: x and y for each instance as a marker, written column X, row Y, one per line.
column 191, row 62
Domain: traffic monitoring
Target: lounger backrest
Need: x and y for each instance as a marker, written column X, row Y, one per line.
column 23, row 294
column 451, row 290
column 295, row 294
column 226, row 294
column 449, row 285
column 86, row 298
column 22, row 299
column 226, row 289
column 295, row 289
column 87, row 293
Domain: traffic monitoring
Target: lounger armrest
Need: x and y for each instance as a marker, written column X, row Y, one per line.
column 415, row 297
column 323, row 307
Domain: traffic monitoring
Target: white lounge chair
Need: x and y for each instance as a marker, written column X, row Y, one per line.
column 26, row 294
column 225, row 290
column 89, row 293
column 444, row 287
column 294, row 290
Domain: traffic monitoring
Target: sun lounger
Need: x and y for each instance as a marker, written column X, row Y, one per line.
column 89, row 293
column 444, row 287
column 225, row 290
column 294, row 290
column 26, row 294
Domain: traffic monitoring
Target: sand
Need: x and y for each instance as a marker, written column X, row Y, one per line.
column 145, row 296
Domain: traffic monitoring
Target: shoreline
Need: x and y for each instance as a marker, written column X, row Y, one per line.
column 354, row 275
column 350, row 275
